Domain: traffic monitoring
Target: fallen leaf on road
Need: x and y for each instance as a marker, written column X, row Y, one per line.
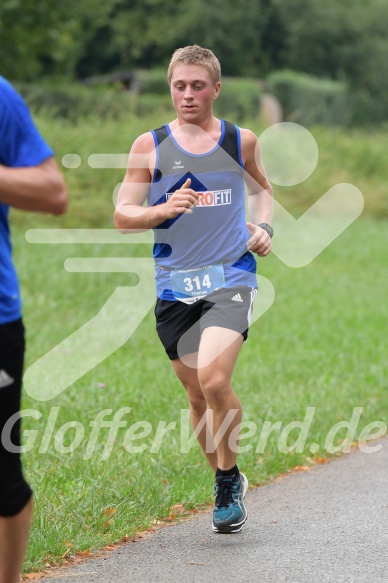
column 177, row 509
column 320, row 460
column 84, row 553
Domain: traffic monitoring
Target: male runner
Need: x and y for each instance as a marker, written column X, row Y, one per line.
column 192, row 173
column 29, row 180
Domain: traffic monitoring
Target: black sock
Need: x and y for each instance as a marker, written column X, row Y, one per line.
column 233, row 471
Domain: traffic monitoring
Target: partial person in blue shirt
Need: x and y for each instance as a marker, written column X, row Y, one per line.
column 30, row 180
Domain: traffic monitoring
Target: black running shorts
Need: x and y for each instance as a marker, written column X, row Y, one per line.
column 184, row 323
column 14, row 490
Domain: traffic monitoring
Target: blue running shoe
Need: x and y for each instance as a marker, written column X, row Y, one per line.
column 229, row 512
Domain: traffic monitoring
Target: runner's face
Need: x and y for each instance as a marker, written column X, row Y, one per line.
column 193, row 92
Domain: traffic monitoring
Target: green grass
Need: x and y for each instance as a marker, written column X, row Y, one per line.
column 322, row 344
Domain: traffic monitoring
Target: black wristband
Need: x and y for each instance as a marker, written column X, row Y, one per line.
column 266, row 228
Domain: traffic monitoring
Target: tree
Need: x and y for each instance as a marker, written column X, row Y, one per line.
column 242, row 34
column 344, row 40
column 45, row 37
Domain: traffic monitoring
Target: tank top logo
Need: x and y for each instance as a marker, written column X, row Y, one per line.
column 210, row 198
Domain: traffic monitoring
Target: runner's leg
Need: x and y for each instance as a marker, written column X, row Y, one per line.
column 15, row 494
column 13, row 541
column 198, row 407
column 217, row 356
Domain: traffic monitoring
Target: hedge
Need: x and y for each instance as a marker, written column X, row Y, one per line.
column 308, row 100
column 239, row 98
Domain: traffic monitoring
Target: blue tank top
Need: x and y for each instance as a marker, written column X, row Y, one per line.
column 215, row 232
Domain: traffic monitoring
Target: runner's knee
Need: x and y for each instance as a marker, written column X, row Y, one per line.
column 214, row 385
column 196, row 399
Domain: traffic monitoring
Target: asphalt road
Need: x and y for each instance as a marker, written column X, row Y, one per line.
column 326, row 525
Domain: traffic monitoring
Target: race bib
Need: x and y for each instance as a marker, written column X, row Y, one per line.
column 190, row 285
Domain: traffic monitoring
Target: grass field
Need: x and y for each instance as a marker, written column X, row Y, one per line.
column 322, row 344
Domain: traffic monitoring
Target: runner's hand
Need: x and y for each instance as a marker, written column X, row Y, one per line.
column 259, row 242
column 182, row 201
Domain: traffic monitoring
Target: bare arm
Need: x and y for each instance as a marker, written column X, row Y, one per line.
column 130, row 214
column 259, row 191
column 38, row 188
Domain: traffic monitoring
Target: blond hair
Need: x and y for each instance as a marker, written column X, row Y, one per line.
column 195, row 55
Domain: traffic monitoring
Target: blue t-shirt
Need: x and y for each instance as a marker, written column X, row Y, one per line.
column 21, row 145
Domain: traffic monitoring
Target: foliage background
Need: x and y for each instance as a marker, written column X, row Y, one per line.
column 344, row 41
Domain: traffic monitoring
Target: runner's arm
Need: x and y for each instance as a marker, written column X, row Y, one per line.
column 130, row 213
column 38, row 188
column 259, row 192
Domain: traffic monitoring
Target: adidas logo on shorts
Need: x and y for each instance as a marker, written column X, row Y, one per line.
column 5, row 379
column 237, row 298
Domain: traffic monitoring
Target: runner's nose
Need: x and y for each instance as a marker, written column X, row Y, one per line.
column 188, row 93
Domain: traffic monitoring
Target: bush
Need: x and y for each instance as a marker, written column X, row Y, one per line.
column 152, row 81
column 147, row 104
column 308, row 100
column 73, row 101
column 367, row 109
column 239, row 98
